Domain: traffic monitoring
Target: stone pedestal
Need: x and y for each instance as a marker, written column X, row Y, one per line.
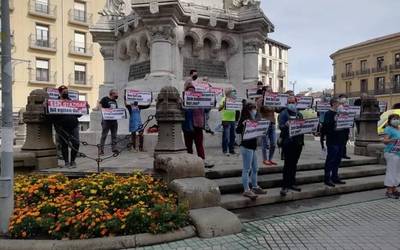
column 367, row 123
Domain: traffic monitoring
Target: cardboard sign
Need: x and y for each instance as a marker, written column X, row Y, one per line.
column 252, row 93
column 304, row 102
column 396, row 147
column 113, row 114
column 352, row 109
column 64, row 107
column 254, row 129
column 383, row 106
column 301, row 127
column 217, row 91
column 143, row 98
column 275, row 100
column 323, row 107
column 231, row 104
column 201, row 86
column 345, row 120
column 55, row 95
column 193, row 100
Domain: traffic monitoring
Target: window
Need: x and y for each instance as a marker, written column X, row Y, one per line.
column 281, row 86
column 396, row 82
column 397, row 59
column 364, row 86
column 82, row 97
column 270, row 82
column 270, row 49
column 264, row 64
column 280, row 53
column 80, row 11
column 348, row 87
column 42, row 6
column 270, row 65
column 263, row 50
column 80, row 73
column 380, row 84
column 42, row 70
column 348, row 68
column 280, row 66
column 363, row 65
column 379, row 62
column 42, row 35
column 80, row 42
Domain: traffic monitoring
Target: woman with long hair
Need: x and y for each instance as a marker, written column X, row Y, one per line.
column 392, row 156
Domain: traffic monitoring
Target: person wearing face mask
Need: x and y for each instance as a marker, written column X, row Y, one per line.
column 291, row 146
column 67, row 130
column 248, row 150
column 335, row 142
column 343, row 101
column 109, row 102
column 228, row 118
column 192, row 78
column 392, row 156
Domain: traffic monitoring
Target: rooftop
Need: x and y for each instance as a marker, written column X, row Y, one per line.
column 274, row 42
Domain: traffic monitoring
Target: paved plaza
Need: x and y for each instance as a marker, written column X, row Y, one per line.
column 367, row 225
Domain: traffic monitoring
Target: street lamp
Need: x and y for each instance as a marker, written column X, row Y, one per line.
column 293, row 83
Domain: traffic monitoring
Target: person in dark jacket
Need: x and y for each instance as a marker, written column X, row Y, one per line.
column 335, row 141
column 248, row 150
column 67, row 129
column 291, row 146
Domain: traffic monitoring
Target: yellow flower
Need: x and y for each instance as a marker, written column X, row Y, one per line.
column 78, row 204
column 93, row 191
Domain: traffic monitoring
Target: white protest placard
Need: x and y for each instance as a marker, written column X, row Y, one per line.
column 73, row 95
column 396, row 147
column 345, row 120
column 217, row 91
column 276, row 100
column 352, row 109
column 304, row 102
column 301, row 127
column 233, row 104
column 383, row 106
column 252, row 93
column 201, row 86
column 113, row 114
column 193, row 100
column 143, row 98
column 54, row 94
column 254, row 129
column 67, row 107
column 323, row 107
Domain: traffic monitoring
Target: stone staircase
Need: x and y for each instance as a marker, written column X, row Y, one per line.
column 360, row 175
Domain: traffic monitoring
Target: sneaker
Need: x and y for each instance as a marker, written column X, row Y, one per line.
column 67, row 165
column 72, row 165
column 227, row 154
column 115, row 151
column 295, row 188
column 329, row 184
column 258, row 190
column 267, row 163
column 273, row 163
column 208, row 164
column 346, row 157
column 340, row 182
column 284, row 192
column 232, row 152
column 250, row 194
column 393, row 195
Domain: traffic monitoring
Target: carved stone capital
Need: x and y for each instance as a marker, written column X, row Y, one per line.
column 107, row 53
column 252, row 46
column 162, row 33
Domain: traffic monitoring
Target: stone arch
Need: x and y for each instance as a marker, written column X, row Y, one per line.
column 133, row 48
column 232, row 44
column 123, row 51
column 197, row 42
column 215, row 44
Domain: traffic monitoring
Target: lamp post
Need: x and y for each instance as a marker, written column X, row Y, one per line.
column 293, row 83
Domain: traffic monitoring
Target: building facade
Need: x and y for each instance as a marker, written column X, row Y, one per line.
column 273, row 65
column 371, row 67
column 51, row 46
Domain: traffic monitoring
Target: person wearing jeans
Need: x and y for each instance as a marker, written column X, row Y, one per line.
column 392, row 156
column 228, row 124
column 109, row 102
column 248, row 150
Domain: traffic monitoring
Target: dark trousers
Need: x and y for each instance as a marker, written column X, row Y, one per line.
column 332, row 163
column 141, row 140
column 195, row 136
column 291, row 153
column 109, row 126
column 66, row 138
column 228, row 137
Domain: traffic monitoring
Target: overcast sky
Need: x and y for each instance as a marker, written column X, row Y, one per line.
column 317, row 28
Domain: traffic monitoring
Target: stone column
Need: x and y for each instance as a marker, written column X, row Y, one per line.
column 108, row 52
column 250, row 63
column 161, row 50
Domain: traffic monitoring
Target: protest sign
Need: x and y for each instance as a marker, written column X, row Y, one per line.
column 396, row 147
column 254, row 129
column 193, row 100
column 143, row 98
column 113, row 114
column 345, row 120
column 300, row 126
column 352, row 109
column 54, row 94
column 252, row 93
column 67, row 107
column 217, row 91
column 383, row 106
column 275, row 100
column 323, row 107
column 304, row 102
column 232, row 104
column 201, row 86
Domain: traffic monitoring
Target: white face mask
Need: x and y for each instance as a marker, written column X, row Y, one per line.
column 340, row 109
column 395, row 123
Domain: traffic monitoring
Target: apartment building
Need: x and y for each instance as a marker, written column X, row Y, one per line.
column 273, row 65
column 371, row 67
column 51, row 46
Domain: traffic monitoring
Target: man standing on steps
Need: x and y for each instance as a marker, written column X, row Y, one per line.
column 109, row 102
column 335, row 142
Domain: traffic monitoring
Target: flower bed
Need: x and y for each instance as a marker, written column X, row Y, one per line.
column 56, row 207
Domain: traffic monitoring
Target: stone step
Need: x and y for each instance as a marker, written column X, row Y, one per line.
column 236, row 201
column 318, row 164
column 234, row 184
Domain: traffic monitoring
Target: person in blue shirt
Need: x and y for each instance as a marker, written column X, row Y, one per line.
column 392, row 156
column 135, row 123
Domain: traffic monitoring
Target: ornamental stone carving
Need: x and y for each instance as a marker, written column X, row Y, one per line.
column 245, row 3
column 154, row 7
column 251, row 46
column 162, row 33
column 113, row 8
column 107, row 53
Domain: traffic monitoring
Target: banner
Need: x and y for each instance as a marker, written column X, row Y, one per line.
column 64, row 107
column 323, row 107
column 275, row 100
column 113, row 114
column 345, row 120
column 352, row 109
column 252, row 93
column 254, row 129
column 301, row 127
column 193, row 100
column 143, row 98
column 383, row 106
column 55, row 95
column 231, row 104
column 305, row 102
column 396, row 147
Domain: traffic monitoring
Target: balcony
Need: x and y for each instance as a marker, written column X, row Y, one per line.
column 386, row 91
column 80, row 83
column 79, row 49
column 80, row 17
column 37, row 8
column 334, row 78
column 265, row 69
column 382, row 69
column 363, row 72
column 42, row 44
column 395, row 67
column 281, row 74
column 42, row 78
column 348, row 75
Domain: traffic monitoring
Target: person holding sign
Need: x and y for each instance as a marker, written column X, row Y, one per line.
column 248, row 150
column 135, row 123
column 228, row 118
column 392, row 156
column 335, row 142
column 109, row 102
column 291, row 146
